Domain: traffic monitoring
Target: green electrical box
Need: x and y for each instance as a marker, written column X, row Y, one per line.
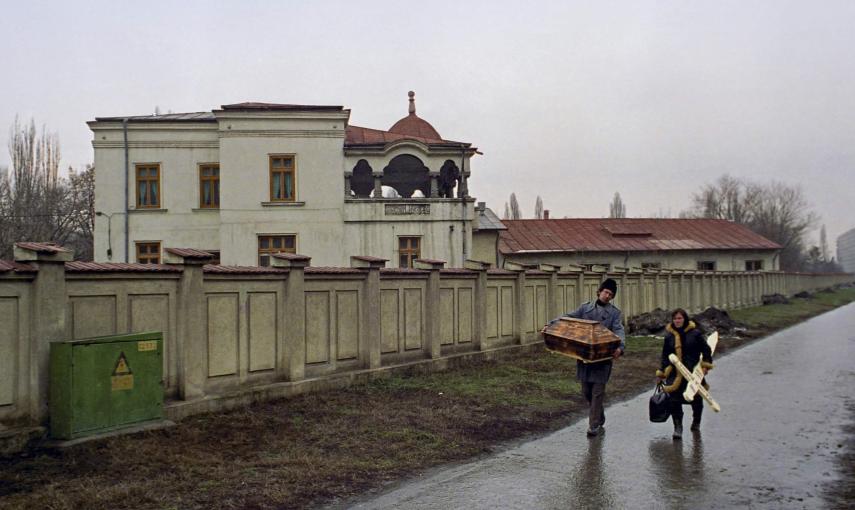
column 105, row 383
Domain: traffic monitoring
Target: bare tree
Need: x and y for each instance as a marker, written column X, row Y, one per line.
column 36, row 204
column 823, row 244
column 617, row 209
column 82, row 211
column 507, row 214
column 774, row 210
column 516, row 214
column 538, row 208
column 725, row 199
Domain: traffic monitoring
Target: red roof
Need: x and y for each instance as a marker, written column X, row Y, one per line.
column 79, row 266
column 291, row 256
column 218, row 269
column 413, row 125
column 356, row 135
column 42, row 247
column 189, row 253
column 17, row 267
column 280, row 107
column 628, row 234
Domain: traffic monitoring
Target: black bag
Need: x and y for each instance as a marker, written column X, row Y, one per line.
column 659, row 405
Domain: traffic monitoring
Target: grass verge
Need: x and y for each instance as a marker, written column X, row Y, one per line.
column 315, row 449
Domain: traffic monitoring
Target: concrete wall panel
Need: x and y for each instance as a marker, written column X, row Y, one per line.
column 262, row 331
column 412, row 319
column 446, row 316
column 223, row 324
column 8, row 349
column 93, row 316
column 465, row 315
column 151, row 313
column 507, row 310
column 317, row 326
column 493, row 312
column 389, row 320
column 347, row 324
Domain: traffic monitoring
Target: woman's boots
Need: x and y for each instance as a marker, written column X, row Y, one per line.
column 678, row 428
column 696, row 423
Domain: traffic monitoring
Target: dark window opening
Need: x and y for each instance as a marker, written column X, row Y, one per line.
column 448, row 177
column 753, row 265
column 362, row 182
column 406, row 174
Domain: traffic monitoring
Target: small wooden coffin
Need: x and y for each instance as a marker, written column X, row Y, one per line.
column 582, row 339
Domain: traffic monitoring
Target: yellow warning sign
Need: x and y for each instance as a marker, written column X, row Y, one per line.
column 147, row 345
column 123, row 378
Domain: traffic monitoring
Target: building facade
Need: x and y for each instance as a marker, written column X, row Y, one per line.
column 252, row 179
column 846, row 250
column 677, row 244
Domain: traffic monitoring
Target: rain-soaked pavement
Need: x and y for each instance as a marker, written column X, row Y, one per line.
column 775, row 444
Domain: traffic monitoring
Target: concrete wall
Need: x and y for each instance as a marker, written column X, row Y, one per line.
column 231, row 338
column 725, row 260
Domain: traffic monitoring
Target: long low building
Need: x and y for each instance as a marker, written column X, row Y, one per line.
column 652, row 243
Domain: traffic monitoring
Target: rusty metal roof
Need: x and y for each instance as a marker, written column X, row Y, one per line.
column 42, row 247
column 369, row 258
column 280, row 107
column 218, row 269
column 189, row 253
column 16, row 267
column 431, row 261
column 168, row 117
column 334, row 270
column 291, row 256
column 628, row 234
column 78, row 266
column 458, row 271
column 356, row 136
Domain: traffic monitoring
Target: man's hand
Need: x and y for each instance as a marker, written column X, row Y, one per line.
column 618, row 353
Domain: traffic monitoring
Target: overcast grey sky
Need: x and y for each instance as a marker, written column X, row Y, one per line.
column 571, row 101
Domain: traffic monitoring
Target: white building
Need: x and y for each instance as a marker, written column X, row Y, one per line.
column 846, row 250
column 250, row 179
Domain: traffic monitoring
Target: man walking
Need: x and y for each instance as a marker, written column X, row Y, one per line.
column 594, row 376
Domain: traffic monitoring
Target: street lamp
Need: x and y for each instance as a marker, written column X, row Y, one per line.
column 109, row 233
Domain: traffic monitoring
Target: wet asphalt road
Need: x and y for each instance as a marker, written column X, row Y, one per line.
column 775, row 444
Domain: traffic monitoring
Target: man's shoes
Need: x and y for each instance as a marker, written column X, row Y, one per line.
column 594, row 432
column 696, row 425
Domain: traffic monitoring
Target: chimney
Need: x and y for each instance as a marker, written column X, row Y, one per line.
column 546, row 214
column 480, row 207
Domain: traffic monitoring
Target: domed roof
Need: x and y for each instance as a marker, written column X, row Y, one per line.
column 413, row 125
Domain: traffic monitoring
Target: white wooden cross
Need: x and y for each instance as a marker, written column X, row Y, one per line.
column 696, row 376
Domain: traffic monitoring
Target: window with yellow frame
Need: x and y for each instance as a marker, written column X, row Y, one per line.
column 283, row 178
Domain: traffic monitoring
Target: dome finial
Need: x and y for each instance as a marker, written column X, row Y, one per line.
column 412, row 102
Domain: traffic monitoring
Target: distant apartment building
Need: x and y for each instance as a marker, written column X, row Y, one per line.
column 846, row 250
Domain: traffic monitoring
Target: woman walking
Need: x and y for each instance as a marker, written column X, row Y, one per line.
column 685, row 340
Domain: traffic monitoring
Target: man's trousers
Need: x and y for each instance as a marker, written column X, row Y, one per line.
column 595, row 394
